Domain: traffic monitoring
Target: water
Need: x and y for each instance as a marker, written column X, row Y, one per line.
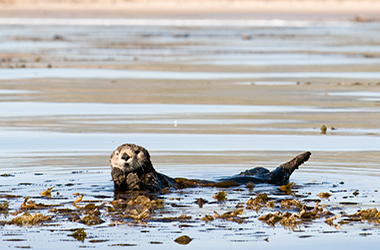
column 11, row 74
column 59, row 125
column 168, row 22
column 30, row 109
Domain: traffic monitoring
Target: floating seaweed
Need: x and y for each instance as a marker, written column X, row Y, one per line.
column 370, row 215
column 330, row 221
column 28, row 219
column 311, row 213
column 324, row 195
column 220, row 196
column 305, row 214
column 89, row 206
column 79, row 199
column 10, row 196
column 183, row 240
column 7, row 175
column 137, row 208
column 91, row 220
column 4, row 206
column 287, row 188
column 231, row 215
column 31, row 205
column 291, row 204
column 201, row 202
column 286, row 219
column 70, row 214
column 79, row 234
column 259, row 201
column 207, row 218
column 181, row 218
column 47, row 192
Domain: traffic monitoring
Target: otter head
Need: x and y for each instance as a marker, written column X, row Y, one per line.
column 131, row 158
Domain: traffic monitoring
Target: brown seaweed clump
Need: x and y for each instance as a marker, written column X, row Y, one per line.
column 231, row 215
column 31, row 205
column 89, row 206
column 330, row 221
column 4, row 206
column 207, row 218
column 291, row 204
column 305, row 214
column 137, row 208
column 220, row 196
column 201, row 202
column 371, row 215
column 47, row 192
column 258, row 202
column 316, row 212
column 79, row 234
column 91, row 220
column 286, row 219
column 287, row 188
column 324, row 195
column 27, row 219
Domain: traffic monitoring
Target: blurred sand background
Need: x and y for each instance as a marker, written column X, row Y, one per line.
column 283, row 9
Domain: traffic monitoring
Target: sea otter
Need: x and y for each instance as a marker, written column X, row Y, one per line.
column 132, row 170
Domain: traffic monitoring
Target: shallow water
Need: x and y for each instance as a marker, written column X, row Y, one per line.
column 67, row 144
column 168, row 22
column 11, row 74
column 30, row 109
column 95, row 183
column 38, row 157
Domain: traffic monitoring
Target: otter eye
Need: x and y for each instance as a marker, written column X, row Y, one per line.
column 125, row 157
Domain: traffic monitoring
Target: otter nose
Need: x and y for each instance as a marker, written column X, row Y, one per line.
column 125, row 157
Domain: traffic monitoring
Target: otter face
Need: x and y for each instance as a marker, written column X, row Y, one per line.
column 130, row 158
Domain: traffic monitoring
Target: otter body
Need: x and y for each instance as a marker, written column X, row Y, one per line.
column 132, row 170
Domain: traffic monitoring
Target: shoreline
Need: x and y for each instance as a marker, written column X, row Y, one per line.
column 194, row 9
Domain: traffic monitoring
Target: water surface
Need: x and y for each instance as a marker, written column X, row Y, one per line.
column 11, row 74
column 67, row 144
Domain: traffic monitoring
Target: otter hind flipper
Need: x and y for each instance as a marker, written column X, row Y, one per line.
column 294, row 163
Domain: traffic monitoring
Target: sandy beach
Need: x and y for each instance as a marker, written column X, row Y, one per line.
column 240, row 9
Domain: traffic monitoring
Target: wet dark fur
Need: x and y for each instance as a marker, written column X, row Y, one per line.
column 146, row 178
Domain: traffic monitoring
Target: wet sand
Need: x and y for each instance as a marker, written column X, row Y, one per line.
column 206, row 99
column 278, row 9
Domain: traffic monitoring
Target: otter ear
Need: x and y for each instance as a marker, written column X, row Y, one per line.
column 114, row 155
column 125, row 157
